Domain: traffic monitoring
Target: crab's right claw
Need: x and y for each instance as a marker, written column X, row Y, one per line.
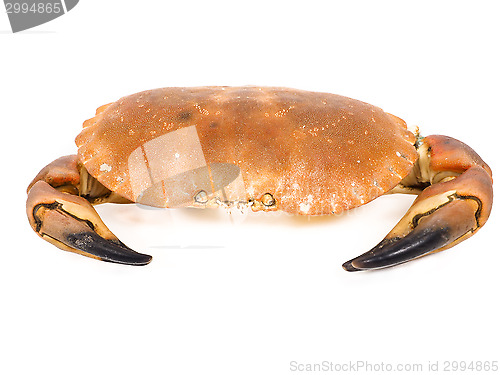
column 444, row 214
column 72, row 224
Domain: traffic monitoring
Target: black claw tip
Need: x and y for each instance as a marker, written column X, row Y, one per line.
column 349, row 267
column 107, row 250
column 391, row 252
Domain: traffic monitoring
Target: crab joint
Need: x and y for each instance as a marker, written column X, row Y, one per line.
column 444, row 214
column 72, row 224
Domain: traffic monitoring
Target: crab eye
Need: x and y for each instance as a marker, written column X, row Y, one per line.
column 268, row 200
column 201, row 197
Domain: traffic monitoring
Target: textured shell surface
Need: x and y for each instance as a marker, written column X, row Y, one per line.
column 276, row 148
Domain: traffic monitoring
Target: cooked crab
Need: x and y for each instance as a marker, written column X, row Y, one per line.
column 300, row 152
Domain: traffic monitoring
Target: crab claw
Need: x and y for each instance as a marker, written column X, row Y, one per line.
column 72, row 224
column 447, row 212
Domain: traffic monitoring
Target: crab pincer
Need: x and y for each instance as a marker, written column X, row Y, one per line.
column 69, row 221
column 445, row 213
column 273, row 149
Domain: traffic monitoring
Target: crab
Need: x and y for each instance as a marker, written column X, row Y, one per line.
column 301, row 152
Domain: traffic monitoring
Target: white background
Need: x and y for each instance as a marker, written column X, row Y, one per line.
column 245, row 294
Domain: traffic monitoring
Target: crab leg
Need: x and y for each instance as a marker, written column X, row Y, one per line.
column 455, row 201
column 59, row 213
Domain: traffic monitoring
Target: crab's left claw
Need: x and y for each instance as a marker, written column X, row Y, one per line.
column 72, row 224
column 455, row 205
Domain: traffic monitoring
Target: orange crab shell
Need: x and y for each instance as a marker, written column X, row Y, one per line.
column 297, row 151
